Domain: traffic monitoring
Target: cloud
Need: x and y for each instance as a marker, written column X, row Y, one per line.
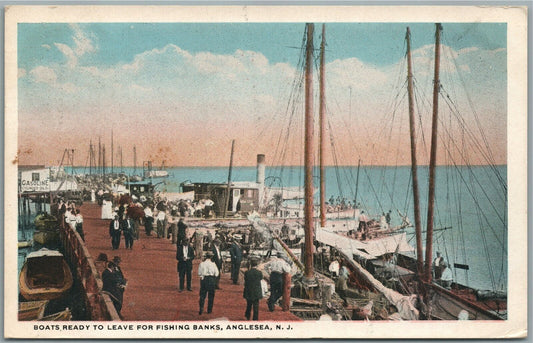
column 83, row 44
column 46, row 46
column 44, row 75
column 21, row 72
column 72, row 59
column 221, row 95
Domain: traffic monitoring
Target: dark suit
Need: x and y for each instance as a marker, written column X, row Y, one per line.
column 185, row 265
column 252, row 292
column 115, row 234
column 182, row 231
column 128, row 229
column 218, row 261
column 113, row 283
column 236, row 258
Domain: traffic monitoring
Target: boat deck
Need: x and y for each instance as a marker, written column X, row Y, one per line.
column 152, row 291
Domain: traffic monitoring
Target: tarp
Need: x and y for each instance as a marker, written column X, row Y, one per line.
column 369, row 249
column 180, row 196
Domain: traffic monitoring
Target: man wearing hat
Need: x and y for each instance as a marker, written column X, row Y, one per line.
column 276, row 267
column 185, row 255
column 115, row 231
column 208, row 273
column 236, row 258
column 114, row 285
column 252, row 290
column 217, row 258
column 438, row 265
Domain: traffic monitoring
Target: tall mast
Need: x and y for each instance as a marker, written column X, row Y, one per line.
column 103, row 162
column 100, row 155
column 308, row 155
column 112, row 152
column 90, row 157
column 121, row 163
column 229, row 178
column 356, row 186
column 414, row 165
column 322, row 113
column 433, row 155
column 134, row 160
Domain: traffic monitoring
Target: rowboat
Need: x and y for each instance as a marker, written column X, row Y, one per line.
column 32, row 310
column 44, row 276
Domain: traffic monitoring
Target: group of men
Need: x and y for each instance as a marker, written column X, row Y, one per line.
column 210, row 270
column 122, row 224
column 114, row 282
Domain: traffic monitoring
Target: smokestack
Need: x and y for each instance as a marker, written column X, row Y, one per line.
column 261, row 178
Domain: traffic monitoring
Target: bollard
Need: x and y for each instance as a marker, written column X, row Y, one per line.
column 286, row 300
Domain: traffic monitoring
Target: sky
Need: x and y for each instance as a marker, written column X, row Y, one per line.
column 181, row 92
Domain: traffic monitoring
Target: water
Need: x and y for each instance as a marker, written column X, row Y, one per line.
column 470, row 213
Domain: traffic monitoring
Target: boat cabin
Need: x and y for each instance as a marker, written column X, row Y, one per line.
column 244, row 196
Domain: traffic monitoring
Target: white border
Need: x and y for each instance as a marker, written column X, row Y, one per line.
column 516, row 19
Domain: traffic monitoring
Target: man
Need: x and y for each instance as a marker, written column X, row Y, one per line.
column 446, row 278
column 79, row 224
column 217, row 258
column 363, row 224
column 253, row 291
column 236, row 258
column 438, row 265
column 114, row 285
column 185, row 255
column 182, row 230
column 148, row 220
column 208, row 273
column 207, row 208
column 276, row 267
column 161, row 223
column 128, row 229
column 115, row 231
column 342, row 284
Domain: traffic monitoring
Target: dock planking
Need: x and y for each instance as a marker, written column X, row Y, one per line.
column 152, row 292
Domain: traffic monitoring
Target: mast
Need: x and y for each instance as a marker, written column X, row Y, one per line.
column 433, row 156
column 112, row 152
column 322, row 113
column 414, row 165
column 99, row 155
column 90, row 157
column 308, row 155
column 134, row 160
column 229, row 178
column 356, row 187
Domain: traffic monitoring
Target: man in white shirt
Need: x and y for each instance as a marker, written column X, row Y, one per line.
column 208, row 273
column 446, row 277
column 276, row 267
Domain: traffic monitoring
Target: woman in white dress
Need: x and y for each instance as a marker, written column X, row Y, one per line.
column 107, row 209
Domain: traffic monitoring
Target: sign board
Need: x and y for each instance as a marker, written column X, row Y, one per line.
column 37, row 180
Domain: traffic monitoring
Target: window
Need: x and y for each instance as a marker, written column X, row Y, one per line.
column 35, row 176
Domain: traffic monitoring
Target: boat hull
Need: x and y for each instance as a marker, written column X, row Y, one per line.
column 46, row 290
column 32, row 310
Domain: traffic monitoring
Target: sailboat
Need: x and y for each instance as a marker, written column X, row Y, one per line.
column 457, row 301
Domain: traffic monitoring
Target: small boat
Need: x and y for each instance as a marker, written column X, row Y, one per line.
column 45, row 221
column 32, row 310
column 44, row 276
column 64, row 315
column 46, row 237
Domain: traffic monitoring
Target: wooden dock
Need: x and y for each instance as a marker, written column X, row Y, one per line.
column 152, row 291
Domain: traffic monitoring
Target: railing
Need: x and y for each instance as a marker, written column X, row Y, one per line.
column 98, row 304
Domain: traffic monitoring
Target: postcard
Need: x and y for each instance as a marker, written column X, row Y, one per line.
column 265, row 172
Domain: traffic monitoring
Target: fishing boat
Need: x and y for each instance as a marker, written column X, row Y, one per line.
column 150, row 172
column 45, row 275
column 32, row 310
column 454, row 301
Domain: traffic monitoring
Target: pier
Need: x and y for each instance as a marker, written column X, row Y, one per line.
column 152, row 291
